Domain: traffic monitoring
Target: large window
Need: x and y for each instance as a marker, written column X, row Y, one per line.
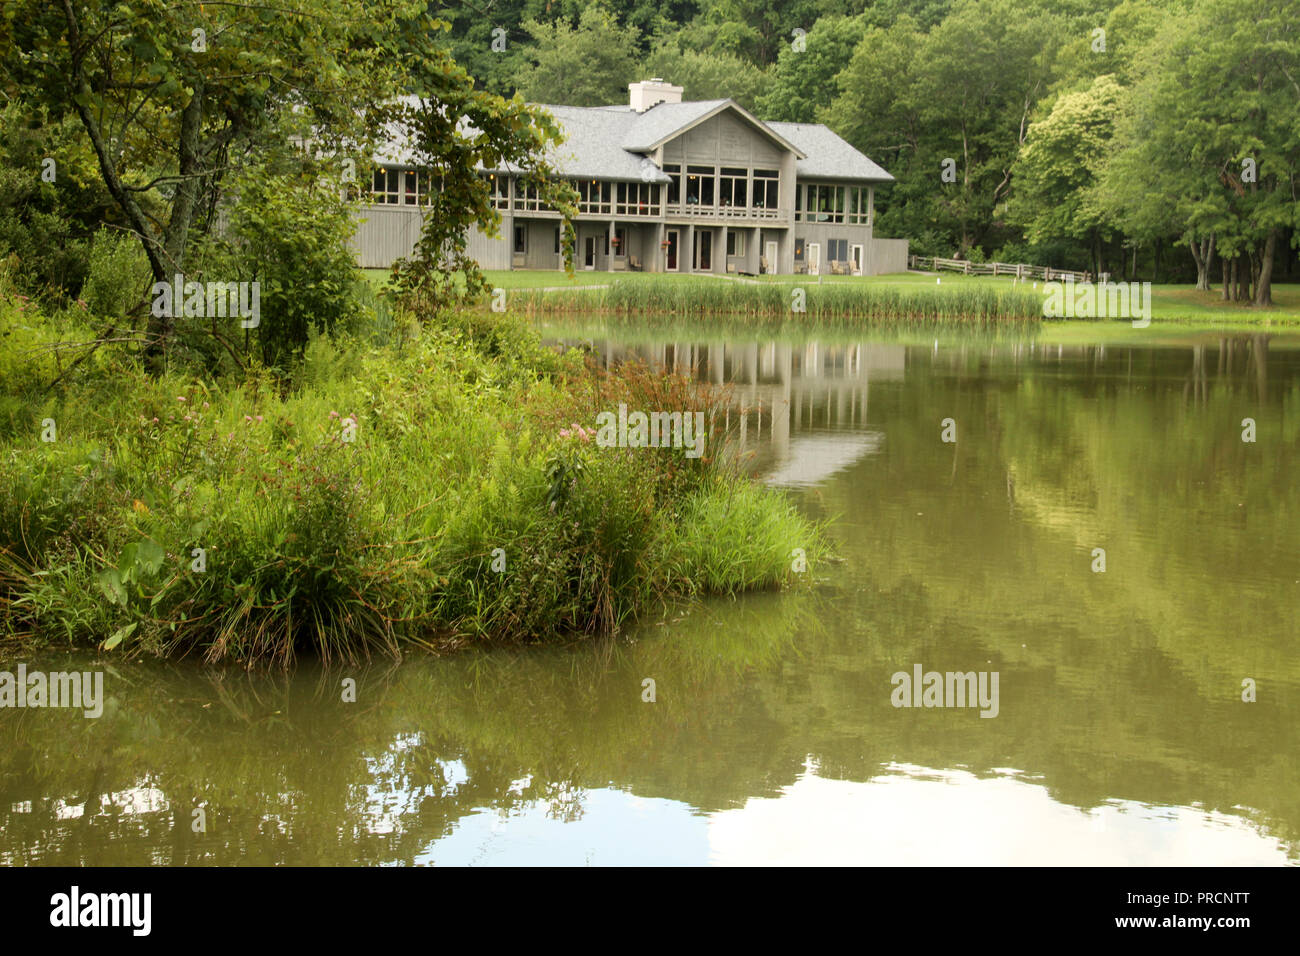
column 860, row 205
column 403, row 187
column 387, row 186
column 526, row 198
column 733, row 187
column 837, row 250
column 674, row 187
column 636, row 199
column 735, row 243
column 766, row 182
column 701, row 185
column 521, row 238
column 499, row 190
column 595, row 196
column 824, row 204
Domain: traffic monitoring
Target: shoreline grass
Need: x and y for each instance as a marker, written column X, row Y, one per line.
column 463, row 509
column 1180, row 304
column 765, row 305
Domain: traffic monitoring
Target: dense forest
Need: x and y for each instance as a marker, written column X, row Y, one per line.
column 1157, row 139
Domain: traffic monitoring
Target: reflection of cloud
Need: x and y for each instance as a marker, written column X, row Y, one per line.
column 616, row 829
column 916, row 817
column 812, row 458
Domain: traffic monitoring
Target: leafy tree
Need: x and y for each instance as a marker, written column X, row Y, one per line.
column 1057, row 168
column 803, row 81
column 305, row 266
column 51, row 200
column 753, row 30
column 586, row 65
column 1213, row 137
column 705, row 76
column 960, row 99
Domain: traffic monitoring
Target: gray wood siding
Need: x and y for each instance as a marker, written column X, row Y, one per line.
column 885, row 256
column 387, row 233
column 723, row 139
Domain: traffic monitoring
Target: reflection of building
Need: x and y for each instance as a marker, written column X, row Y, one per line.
column 665, row 186
column 780, row 390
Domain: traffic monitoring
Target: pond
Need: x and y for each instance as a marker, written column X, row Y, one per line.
column 1099, row 536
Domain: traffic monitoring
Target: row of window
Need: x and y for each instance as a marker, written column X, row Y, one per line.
column 735, row 241
column 837, row 250
column 723, row 187
column 702, row 187
column 821, row 203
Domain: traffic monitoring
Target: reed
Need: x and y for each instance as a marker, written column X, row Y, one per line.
column 764, row 305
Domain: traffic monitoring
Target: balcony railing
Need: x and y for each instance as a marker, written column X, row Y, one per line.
column 725, row 211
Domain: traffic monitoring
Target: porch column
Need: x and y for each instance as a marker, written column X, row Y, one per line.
column 613, row 251
column 723, row 247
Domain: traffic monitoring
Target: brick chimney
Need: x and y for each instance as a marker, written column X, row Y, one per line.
column 651, row 92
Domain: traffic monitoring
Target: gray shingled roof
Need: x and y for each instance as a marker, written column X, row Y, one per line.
column 594, row 143
column 609, row 142
column 829, row 157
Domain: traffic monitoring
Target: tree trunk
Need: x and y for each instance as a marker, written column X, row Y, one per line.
column 1203, row 253
column 1264, row 284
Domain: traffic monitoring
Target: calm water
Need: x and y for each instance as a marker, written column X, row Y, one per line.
column 1120, row 738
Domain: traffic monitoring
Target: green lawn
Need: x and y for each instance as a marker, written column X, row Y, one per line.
column 521, row 278
column 1181, row 303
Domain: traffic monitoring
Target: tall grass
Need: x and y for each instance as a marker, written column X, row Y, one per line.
column 764, row 304
column 246, row 520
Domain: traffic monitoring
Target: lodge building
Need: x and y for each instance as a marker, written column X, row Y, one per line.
column 668, row 186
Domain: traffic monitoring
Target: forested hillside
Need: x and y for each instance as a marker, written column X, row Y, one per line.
column 1147, row 138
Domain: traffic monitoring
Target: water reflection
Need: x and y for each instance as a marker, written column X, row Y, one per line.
column 1121, row 738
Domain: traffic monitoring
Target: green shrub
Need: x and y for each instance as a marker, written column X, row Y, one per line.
column 119, row 279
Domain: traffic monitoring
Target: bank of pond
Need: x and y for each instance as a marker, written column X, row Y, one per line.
column 439, row 492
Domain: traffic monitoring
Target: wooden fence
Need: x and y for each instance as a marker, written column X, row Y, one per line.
column 1020, row 271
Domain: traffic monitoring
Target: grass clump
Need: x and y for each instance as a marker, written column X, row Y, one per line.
column 433, row 488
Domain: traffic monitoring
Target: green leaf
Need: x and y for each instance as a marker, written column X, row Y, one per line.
column 110, row 582
column 120, row 635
